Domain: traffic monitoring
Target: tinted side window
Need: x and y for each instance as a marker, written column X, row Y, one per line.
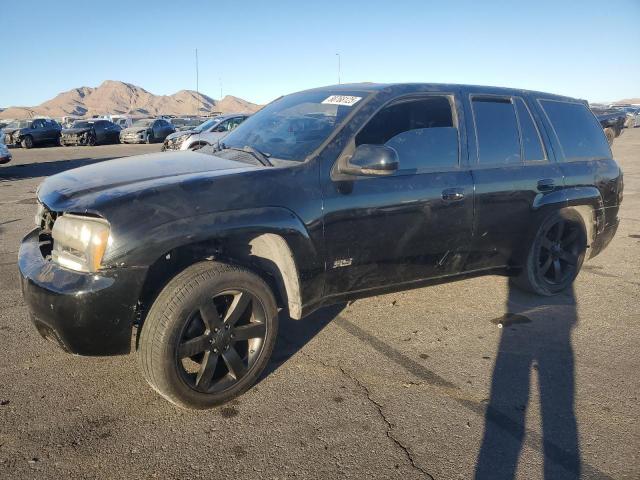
column 422, row 131
column 531, row 143
column 497, row 131
column 579, row 133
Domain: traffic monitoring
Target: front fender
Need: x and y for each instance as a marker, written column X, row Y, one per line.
column 141, row 247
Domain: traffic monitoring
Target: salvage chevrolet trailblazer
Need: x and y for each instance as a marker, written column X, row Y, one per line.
column 322, row 196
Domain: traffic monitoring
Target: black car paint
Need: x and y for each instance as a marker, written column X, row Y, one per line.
column 350, row 236
column 103, row 131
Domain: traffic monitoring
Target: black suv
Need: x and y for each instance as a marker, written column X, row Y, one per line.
column 322, row 196
column 30, row 133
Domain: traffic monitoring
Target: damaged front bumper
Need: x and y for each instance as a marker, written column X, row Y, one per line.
column 84, row 313
column 81, row 139
column 133, row 138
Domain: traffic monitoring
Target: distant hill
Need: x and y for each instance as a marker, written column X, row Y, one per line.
column 629, row 100
column 114, row 97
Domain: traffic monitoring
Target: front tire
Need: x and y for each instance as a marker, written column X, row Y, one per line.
column 27, row 142
column 556, row 254
column 150, row 138
column 209, row 335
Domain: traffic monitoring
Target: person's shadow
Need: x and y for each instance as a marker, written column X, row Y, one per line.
column 536, row 338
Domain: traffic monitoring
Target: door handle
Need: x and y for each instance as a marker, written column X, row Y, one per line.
column 452, row 194
column 546, row 185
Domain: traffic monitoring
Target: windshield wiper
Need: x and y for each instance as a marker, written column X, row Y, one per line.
column 262, row 157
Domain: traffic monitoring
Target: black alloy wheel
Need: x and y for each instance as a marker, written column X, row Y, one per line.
column 556, row 254
column 221, row 341
column 559, row 252
column 208, row 335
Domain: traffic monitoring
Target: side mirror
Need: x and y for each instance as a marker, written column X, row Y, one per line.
column 372, row 160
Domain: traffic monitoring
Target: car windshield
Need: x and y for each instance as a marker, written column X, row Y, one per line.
column 82, row 124
column 292, row 127
column 207, row 125
column 142, row 123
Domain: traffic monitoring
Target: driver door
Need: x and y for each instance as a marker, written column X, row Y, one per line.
column 412, row 225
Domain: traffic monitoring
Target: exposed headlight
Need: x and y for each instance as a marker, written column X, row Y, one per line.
column 79, row 242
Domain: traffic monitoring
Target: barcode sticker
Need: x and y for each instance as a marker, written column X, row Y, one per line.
column 346, row 100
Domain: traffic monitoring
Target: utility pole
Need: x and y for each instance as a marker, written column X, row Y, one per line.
column 197, row 86
column 338, row 55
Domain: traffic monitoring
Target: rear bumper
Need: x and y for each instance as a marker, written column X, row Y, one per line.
column 86, row 314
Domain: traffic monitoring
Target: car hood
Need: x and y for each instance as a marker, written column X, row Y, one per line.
column 179, row 134
column 6, row 130
column 89, row 188
column 75, row 131
column 135, row 129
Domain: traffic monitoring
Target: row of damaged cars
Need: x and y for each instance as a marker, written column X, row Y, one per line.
column 615, row 118
column 174, row 133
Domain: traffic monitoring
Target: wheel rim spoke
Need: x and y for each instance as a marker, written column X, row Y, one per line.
column 569, row 258
column 557, row 270
column 238, row 306
column 560, row 231
column 569, row 239
column 209, row 314
column 247, row 332
column 193, row 347
column 546, row 243
column 234, row 363
column 546, row 265
column 207, row 369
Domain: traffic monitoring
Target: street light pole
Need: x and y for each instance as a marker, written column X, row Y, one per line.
column 197, row 86
column 338, row 55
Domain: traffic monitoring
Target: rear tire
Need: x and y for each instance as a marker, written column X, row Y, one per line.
column 27, row 142
column 209, row 335
column 555, row 256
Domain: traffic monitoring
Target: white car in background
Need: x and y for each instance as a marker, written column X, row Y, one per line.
column 207, row 133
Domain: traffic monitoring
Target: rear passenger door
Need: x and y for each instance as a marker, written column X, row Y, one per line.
column 582, row 150
column 511, row 172
column 414, row 224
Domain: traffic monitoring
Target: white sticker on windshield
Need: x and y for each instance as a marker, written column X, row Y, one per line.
column 346, row 100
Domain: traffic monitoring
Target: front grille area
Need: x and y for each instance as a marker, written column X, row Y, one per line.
column 46, row 220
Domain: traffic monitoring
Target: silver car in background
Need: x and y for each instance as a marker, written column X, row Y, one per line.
column 207, row 133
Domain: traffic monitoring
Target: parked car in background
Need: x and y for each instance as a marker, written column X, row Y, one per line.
column 633, row 115
column 207, row 133
column 183, row 124
column 5, row 154
column 32, row 133
column 90, row 132
column 147, row 130
column 612, row 121
column 123, row 121
column 321, row 197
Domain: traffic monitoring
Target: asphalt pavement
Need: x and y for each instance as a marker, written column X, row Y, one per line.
column 448, row 382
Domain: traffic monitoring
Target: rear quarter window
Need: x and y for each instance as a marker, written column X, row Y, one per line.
column 577, row 130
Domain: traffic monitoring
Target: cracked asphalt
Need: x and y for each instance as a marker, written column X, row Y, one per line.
column 453, row 381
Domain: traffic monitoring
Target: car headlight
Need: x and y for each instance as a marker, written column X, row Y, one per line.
column 79, row 242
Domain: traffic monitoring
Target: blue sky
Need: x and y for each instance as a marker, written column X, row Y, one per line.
column 260, row 50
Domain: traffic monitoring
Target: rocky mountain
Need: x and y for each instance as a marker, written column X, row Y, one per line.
column 114, row 97
column 634, row 101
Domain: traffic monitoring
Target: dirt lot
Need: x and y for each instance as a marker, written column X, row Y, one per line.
column 396, row 386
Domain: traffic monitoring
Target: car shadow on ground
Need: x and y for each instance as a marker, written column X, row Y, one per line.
column 535, row 337
column 535, row 340
column 44, row 169
column 293, row 335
